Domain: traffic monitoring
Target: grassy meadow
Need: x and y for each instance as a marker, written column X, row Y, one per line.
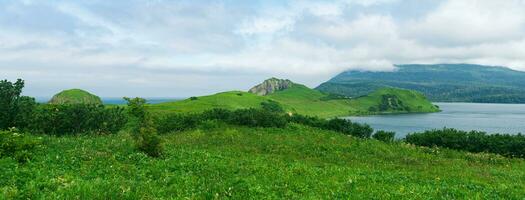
column 220, row 161
column 302, row 100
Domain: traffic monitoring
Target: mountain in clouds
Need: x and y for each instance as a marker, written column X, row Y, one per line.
column 439, row 82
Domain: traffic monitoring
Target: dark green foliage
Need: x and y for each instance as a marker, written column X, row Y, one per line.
column 17, row 145
column 10, row 102
column 349, row 128
column 473, row 141
column 272, row 106
column 143, row 128
column 307, row 120
column 440, row 82
column 76, row 119
column 257, row 118
column 25, row 111
column 385, row 136
column 178, row 122
column 194, row 98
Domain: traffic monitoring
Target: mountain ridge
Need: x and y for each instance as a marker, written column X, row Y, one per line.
column 439, row 82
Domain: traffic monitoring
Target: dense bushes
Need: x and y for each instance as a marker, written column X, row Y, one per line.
column 16, row 145
column 76, row 118
column 260, row 118
column 474, row 141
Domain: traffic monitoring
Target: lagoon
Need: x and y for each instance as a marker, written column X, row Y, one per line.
column 492, row 118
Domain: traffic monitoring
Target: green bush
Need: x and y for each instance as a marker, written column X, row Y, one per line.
column 143, row 128
column 385, row 136
column 178, row 122
column 473, row 141
column 76, row 118
column 272, row 106
column 257, row 118
column 17, row 145
column 349, row 128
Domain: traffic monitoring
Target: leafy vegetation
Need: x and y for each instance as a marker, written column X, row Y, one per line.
column 75, row 96
column 385, row 136
column 143, row 128
column 473, row 141
column 76, row 119
column 13, row 107
column 441, row 82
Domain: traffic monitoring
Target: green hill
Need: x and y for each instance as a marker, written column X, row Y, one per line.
column 297, row 98
column 257, row 163
column 75, row 96
column 440, row 82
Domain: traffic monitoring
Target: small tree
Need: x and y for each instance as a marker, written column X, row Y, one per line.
column 143, row 128
column 9, row 97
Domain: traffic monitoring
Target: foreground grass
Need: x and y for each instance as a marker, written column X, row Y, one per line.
column 240, row 163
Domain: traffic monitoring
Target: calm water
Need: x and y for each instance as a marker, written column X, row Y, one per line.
column 493, row 118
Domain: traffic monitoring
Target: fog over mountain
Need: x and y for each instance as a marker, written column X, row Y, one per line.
column 185, row 48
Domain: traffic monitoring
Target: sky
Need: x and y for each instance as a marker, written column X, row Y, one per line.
column 180, row 48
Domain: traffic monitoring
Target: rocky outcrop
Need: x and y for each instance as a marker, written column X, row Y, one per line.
column 270, row 86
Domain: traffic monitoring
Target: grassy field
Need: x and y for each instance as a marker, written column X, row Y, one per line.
column 298, row 99
column 220, row 161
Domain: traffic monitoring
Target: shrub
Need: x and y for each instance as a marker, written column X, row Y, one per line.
column 473, row 141
column 143, row 128
column 257, row 118
column 306, row 120
column 76, row 118
column 217, row 114
column 17, row 145
column 272, row 106
column 178, row 122
column 349, row 128
column 385, row 136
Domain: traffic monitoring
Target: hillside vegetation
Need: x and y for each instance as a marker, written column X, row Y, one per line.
column 440, row 82
column 303, row 100
column 75, row 96
column 295, row 162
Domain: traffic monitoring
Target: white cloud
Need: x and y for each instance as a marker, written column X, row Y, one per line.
column 196, row 48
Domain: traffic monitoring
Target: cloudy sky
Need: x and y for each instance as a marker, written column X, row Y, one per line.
column 182, row 48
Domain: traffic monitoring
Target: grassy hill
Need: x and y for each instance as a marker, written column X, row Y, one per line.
column 298, row 99
column 392, row 100
column 257, row 163
column 440, row 82
column 75, row 96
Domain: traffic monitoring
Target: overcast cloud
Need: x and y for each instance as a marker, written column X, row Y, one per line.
column 184, row 48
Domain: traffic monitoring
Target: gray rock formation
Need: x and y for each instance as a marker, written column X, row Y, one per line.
column 270, row 86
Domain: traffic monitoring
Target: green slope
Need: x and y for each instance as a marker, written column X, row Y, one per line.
column 299, row 99
column 75, row 96
column 392, row 100
column 227, row 100
column 440, row 82
column 257, row 163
